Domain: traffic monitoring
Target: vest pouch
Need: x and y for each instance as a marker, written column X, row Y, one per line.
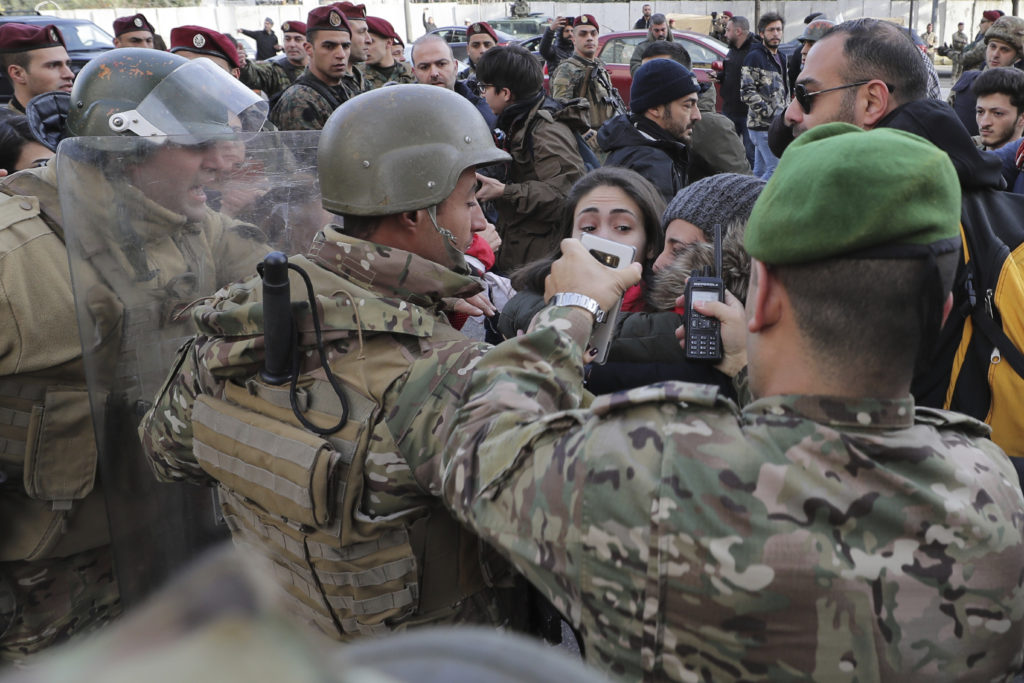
column 285, row 470
column 54, row 472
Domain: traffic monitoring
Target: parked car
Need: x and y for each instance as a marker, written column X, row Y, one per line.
column 616, row 49
column 456, row 37
column 84, row 40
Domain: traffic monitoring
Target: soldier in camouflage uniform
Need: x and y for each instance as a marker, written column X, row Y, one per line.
column 358, row 545
column 309, row 102
column 275, row 75
column 480, row 38
column 829, row 530
column 956, row 51
column 382, row 67
column 56, row 567
column 35, row 61
column 584, row 75
column 354, row 80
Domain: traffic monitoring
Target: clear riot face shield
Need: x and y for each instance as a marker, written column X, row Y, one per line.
column 152, row 225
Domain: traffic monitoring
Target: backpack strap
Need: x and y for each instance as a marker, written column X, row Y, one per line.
column 985, row 323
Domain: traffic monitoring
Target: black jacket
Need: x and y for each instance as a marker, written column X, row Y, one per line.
column 730, row 79
column 554, row 50
column 265, row 43
column 635, row 142
column 965, row 101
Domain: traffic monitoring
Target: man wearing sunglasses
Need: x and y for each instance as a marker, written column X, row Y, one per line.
column 866, row 72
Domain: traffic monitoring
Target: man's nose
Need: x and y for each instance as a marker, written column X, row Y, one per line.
column 794, row 113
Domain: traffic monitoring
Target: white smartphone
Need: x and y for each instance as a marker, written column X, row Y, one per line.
column 614, row 255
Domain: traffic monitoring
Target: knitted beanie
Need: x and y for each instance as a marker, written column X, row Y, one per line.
column 718, row 199
column 660, row 81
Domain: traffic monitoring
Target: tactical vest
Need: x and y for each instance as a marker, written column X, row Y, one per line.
column 294, row 497
column 48, row 455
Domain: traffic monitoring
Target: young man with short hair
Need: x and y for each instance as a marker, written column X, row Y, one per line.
column 764, row 88
column 999, row 107
column 381, row 66
column 133, row 31
column 275, row 75
column 35, row 59
column 545, row 161
column 584, row 75
column 1004, row 46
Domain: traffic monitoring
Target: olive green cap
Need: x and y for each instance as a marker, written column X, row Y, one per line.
column 839, row 190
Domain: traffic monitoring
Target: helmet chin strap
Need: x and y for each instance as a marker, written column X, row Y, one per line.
column 451, row 247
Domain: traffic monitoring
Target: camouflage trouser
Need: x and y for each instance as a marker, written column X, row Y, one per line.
column 45, row 602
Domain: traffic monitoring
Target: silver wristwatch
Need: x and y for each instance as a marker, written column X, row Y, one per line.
column 579, row 300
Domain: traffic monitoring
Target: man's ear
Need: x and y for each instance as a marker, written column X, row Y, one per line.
column 767, row 309
column 16, row 74
column 875, row 102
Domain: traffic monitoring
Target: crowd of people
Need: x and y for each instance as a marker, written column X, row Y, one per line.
column 348, row 293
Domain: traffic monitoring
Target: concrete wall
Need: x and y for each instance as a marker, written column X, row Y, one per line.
column 611, row 15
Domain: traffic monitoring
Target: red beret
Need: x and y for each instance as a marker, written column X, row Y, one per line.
column 481, row 27
column 16, row 37
column 294, row 27
column 992, row 14
column 204, row 41
column 727, row 13
column 586, row 20
column 352, row 11
column 381, row 27
column 136, row 22
column 327, row 18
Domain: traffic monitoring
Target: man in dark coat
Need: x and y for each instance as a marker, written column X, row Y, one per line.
column 740, row 39
column 652, row 140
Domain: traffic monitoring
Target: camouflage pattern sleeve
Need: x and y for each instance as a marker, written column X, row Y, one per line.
column 264, row 76
column 300, row 108
column 561, row 81
column 166, row 430
column 752, row 80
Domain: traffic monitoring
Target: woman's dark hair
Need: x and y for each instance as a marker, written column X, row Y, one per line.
column 14, row 135
column 639, row 189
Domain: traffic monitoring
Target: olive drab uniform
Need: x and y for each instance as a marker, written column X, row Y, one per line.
column 56, row 574
column 307, row 104
column 956, row 52
column 399, row 72
column 578, row 77
column 359, row 545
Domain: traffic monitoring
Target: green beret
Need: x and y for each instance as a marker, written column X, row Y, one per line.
column 839, row 190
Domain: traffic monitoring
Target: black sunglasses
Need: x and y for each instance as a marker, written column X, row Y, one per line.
column 803, row 96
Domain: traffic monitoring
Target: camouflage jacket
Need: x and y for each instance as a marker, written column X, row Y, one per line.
column 401, row 367
column 307, row 104
column 272, row 76
column 579, row 77
column 399, row 72
column 959, row 41
column 764, row 87
column 354, row 82
column 804, row 538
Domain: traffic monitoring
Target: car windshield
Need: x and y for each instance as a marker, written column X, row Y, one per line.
column 86, row 37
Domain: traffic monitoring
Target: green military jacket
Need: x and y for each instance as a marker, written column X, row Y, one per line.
column 381, row 552
column 271, row 77
column 803, row 538
column 578, row 77
column 307, row 103
column 399, row 72
column 355, row 82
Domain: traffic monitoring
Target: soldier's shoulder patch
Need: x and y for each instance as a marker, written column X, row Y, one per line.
column 687, row 393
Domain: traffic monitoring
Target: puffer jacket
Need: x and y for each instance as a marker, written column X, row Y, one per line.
column 635, row 142
column 764, row 86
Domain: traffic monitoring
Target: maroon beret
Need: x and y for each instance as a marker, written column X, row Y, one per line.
column 16, row 37
column 352, row 11
column 294, row 27
column 727, row 13
column 204, row 41
column 992, row 14
column 586, row 20
column 327, row 18
column 136, row 22
column 480, row 27
column 381, row 27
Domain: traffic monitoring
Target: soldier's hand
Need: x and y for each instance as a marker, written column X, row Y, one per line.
column 489, row 188
column 491, row 236
column 478, row 304
column 579, row 272
column 733, row 321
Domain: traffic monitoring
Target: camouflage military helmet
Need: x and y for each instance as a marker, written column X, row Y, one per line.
column 142, row 92
column 1009, row 30
column 815, row 30
column 400, row 149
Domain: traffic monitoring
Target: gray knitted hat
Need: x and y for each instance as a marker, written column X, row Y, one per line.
column 720, row 199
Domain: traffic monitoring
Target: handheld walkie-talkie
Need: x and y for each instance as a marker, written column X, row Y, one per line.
column 703, row 333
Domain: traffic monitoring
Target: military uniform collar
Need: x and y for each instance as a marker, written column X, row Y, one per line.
column 864, row 413
column 389, row 271
column 15, row 105
column 584, row 61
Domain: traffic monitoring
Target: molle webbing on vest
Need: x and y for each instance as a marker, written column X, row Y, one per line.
column 17, row 398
